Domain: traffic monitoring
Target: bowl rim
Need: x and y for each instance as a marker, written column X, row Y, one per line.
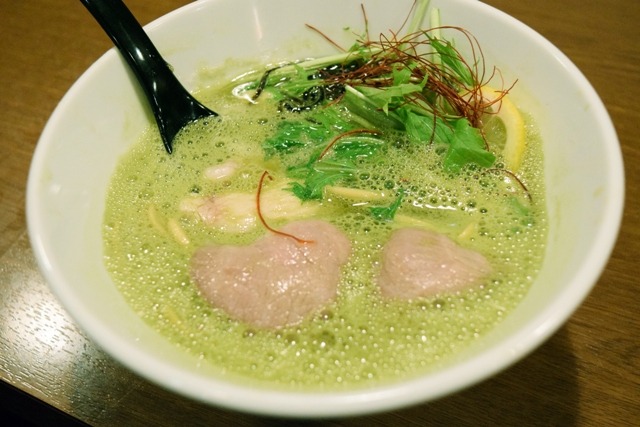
column 359, row 400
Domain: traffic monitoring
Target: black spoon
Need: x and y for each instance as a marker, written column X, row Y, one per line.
column 173, row 107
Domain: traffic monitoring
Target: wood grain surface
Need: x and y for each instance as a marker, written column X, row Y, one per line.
column 587, row 374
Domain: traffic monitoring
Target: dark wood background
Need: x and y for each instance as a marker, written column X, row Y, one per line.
column 587, row 374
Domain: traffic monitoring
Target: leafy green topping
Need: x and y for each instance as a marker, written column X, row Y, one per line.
column 386, row 86
column 387, row 213
column 392, row 95
column 292, row 134
column 319, row 174
column 327, row 171
column 312, row 130
column 466, row 145
column 451, row 58
column 422, row 129
column 360, row 105
column 357, row 146
column 518, row 207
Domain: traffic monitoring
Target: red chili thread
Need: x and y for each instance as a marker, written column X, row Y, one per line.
column 265, row 174
column 326, row 37
column 513, row 175
column 454, row 98
column 366, row 23
column 351, row 132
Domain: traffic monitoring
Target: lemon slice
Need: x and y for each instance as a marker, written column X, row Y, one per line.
column 505, row 129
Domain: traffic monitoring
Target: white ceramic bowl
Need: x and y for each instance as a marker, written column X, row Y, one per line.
column 104, row 112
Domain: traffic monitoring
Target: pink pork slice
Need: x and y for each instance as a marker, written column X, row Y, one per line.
column 419, row 263
column 276, row 281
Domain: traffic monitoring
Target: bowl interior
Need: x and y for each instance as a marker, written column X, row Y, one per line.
column 104, row 113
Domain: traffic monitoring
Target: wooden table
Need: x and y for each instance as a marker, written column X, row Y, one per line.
column 586, row 374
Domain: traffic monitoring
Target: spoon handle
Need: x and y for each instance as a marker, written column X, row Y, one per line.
column 128, row 36
column 172, row 105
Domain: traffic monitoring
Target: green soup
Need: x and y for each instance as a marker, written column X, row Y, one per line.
column 361, row 339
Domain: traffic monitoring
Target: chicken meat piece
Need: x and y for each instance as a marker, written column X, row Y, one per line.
column 218, row 172
column 419, row 263
column 237, row 213
column 276, row 281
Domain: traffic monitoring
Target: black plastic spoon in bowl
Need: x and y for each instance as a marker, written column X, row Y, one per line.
column 172, row 105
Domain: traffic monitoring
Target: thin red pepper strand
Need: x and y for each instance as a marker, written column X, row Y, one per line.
column 264, row 175
column 351, row 132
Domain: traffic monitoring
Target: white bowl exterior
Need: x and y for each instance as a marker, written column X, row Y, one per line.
column 104, row 113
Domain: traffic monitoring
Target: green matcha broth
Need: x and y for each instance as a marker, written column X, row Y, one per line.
column 361, row 339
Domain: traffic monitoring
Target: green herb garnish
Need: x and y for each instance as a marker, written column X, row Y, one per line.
column 387, row 213
column 319, row 174
column 419, row 85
